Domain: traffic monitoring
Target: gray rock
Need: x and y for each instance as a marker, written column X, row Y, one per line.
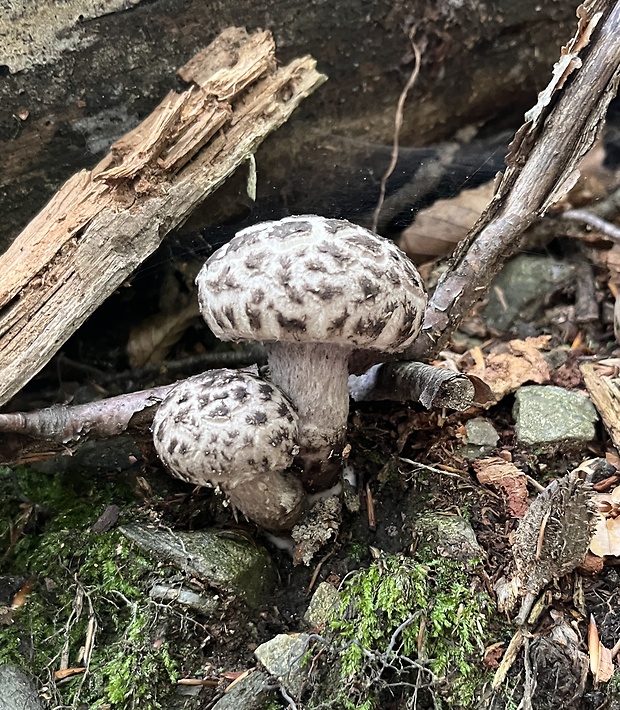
column 480, row 438
column 176, row 593
column 324, row 603
column 448, row 536
column 480, row 432
column 283, row 656
column 254, row 692
column 231, row 563
column 522, row 286
column 17, row 691
column 549, row 415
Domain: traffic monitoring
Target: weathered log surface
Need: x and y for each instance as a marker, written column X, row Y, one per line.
column 105, row 222
column 90, row 71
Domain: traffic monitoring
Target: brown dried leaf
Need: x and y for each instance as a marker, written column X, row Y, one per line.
column 506, row 372
column 606, row 539
column 501, row 474
column 153, row 338
column 605, row 665
column 601, row 663
column 22, row 595
column 439, row 227
column 592, row 564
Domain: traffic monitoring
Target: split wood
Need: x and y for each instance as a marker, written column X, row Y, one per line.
column 604, row 392
column 103, row 223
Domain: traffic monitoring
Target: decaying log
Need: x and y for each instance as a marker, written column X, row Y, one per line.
column 604, row 392
column 104, row 222
column 91, row 70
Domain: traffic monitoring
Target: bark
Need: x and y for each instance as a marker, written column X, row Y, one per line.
column 433, row 387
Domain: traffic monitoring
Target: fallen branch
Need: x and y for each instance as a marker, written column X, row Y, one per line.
column 541, row 169
column 105, row 222
column 432, row 387
column 64, row 425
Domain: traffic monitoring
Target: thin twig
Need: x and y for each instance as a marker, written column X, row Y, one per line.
column 601, row 225
column 398, row 123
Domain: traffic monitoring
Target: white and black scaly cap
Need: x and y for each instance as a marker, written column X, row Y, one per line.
column 234, row 430
column 311, row 279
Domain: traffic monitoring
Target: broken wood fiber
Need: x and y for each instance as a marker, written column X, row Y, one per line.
column 103, row 223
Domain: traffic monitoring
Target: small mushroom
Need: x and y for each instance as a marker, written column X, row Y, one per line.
column 312, row 290
column 234, row 430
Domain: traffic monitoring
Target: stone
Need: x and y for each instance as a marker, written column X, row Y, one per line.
column 447, row 536
column 480, row 432
column 17, row 690
column 550, row 415
column 230, row 562
column 522, row 286
column 254, row 692
column 283, row 656
column 480, row 438
column 324, row 604
column 207, row 605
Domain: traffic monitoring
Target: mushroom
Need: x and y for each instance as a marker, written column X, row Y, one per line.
column 312, row 290
column 233, row 430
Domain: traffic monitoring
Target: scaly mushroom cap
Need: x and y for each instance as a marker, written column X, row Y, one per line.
column 311, row 279
column 233, row 430
column 223, row 426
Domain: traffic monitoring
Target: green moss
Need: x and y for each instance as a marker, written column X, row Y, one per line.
column 357, row 551
column 84, row 582
column 446, row 633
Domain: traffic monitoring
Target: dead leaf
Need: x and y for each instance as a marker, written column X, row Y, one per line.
column 601, row 663
column 178, row 308
column 22, row 595
column 152, row 339
column 606, row 539
column 439, row 227
column 497, row 472
column 592, row 564
column 504, row 373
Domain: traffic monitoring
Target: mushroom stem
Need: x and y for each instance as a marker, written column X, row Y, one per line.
column 276, row 501
column 314, row 377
